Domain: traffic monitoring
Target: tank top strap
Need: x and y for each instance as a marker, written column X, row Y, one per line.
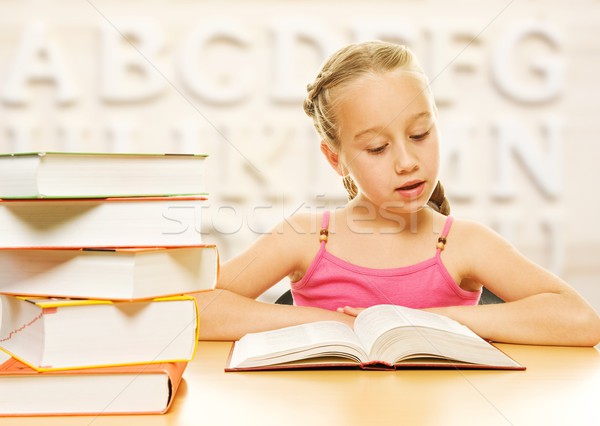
column 324, row 233
column 443, row 239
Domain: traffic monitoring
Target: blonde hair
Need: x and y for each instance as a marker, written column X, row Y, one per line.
column 344, row 66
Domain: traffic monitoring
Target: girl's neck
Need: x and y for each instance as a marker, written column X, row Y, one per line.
column 363, row 213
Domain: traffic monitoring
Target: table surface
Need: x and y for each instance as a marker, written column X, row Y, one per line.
column 561, row 386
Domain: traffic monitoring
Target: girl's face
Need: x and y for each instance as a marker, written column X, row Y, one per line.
column 389, row 140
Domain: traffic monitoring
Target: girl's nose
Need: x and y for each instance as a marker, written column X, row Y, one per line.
column 405, row 160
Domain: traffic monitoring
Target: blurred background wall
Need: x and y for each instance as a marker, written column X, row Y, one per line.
column 516, row 84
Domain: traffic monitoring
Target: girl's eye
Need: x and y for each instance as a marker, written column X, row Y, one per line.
column 420, row 136
column 377, row 150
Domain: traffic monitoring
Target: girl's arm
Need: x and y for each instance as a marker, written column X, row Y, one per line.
column 230, row 311
column 540, row 308
column 225, row 315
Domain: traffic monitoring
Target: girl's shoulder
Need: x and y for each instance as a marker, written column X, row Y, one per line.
column 299, row 233
column 474, row 238
column 300, row 225
column 473, row 248
column 298, row 236
column 467, row 230
column 472, row 228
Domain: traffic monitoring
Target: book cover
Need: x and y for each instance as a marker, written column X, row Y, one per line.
column 108, row 222
column 135, row 389
column 99, row 175
column 108, row 273
column 59, row 334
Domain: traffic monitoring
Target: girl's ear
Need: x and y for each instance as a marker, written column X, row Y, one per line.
column 332, row 157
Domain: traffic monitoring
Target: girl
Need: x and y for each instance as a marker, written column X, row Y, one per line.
column 394, row 242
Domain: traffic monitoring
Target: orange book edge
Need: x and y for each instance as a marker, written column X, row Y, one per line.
column 173, row 370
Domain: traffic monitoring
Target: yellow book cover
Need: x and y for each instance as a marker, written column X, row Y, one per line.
column 60, row 334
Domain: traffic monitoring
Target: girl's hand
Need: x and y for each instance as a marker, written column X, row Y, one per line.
column 350, row 311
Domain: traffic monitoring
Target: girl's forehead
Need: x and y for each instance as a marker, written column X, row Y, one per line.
column 376, row 82
column 396, row 93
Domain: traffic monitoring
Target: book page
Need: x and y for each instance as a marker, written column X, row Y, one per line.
column 296, row 342
column 376, row 320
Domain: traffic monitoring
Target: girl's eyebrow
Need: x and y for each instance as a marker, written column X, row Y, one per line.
column 372, row 130
column 415, row 117
column 378, row 129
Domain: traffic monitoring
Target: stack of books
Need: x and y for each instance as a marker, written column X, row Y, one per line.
column 99, row 255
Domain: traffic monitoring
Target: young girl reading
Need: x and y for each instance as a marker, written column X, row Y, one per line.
column 394, row 242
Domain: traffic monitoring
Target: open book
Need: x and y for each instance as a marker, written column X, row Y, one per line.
column 384, row 337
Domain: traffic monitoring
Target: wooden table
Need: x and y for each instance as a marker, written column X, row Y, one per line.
column 560, row 387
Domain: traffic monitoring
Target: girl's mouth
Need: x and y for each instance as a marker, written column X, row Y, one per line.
column 411, row 189
column 410, row 186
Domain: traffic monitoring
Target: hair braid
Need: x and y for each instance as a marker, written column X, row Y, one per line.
column 438, row 200
column 350, row 186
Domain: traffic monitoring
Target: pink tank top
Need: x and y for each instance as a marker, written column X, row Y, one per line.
column 331, row 282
